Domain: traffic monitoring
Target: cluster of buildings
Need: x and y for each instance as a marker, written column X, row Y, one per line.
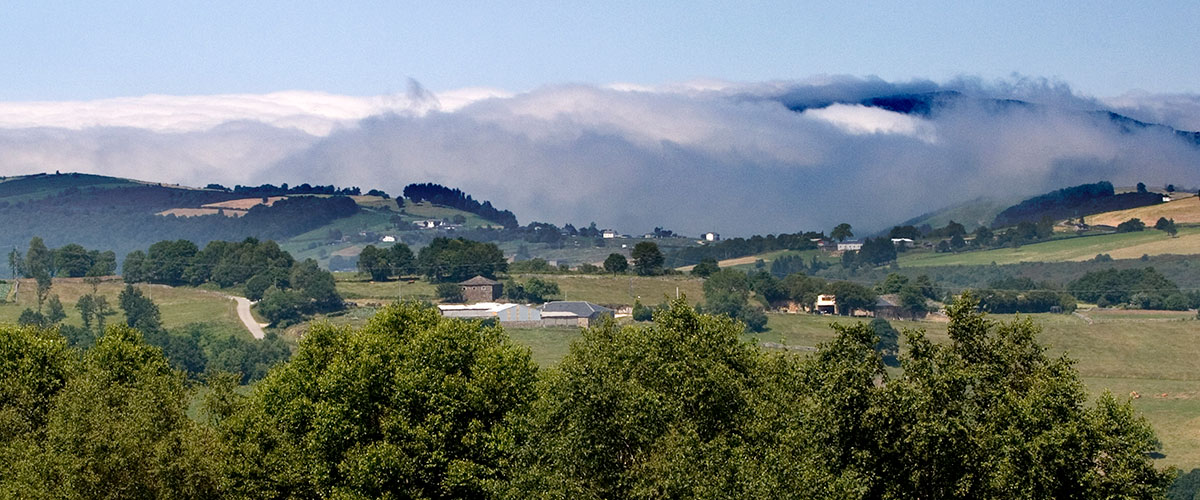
column 481, row 293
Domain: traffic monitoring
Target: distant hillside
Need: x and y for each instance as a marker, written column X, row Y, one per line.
column 1183, row 210
column 929, row 103
column 121, row 214
column 972, row 214
column 1077, row 201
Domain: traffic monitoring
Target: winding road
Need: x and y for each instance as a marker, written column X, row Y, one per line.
column 243, row 309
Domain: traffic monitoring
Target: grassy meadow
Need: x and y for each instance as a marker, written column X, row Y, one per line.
column 178, row 306
column 1118, row 245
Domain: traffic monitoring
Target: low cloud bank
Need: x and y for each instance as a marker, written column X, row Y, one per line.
column 734, row 158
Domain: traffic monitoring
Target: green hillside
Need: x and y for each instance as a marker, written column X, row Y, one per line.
column 972, row 214
column 1117, row 245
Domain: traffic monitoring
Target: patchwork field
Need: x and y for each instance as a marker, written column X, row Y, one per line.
column 1118, row 245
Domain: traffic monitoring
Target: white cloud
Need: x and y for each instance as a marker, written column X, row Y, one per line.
column 861, row 120
column 737, row 158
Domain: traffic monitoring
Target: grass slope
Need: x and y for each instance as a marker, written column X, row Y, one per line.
column 1119, row 246
column 179, row 306
column 1184, row 211
column 32, row 187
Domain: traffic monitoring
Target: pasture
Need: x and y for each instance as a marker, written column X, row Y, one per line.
column 1118, row 245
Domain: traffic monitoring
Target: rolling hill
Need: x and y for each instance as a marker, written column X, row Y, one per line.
column 1185, row 210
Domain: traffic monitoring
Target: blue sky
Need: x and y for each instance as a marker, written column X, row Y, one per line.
column 89, row 50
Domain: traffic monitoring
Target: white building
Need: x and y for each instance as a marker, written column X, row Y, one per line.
column 505, row 313
column 711, row 236
column 608, row 234
column 849, row 245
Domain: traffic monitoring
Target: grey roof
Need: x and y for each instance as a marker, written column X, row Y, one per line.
column 579, row 308
column 479, row 280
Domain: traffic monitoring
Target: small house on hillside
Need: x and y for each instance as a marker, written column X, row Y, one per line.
column 480, row 289
column 843, row 246
column 573, row 313
column 711, row 236
column 608, row 234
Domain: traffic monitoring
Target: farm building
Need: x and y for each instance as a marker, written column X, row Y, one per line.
column 849, row 245
column 608, row 234
column 480, row 289
column 573, row 313
column 511, row 314
column 887, row 306
column 711, row 236
column 903, row 242
column 826, row 304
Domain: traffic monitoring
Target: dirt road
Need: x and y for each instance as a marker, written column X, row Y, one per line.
column 243, row 308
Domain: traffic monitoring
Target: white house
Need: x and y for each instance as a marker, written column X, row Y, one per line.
column 826, row 304
column 849, row 245
column 608, row 234
column 388, row 239
column 711, row 236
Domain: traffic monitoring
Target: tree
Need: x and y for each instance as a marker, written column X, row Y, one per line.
column 374, row 263
column 54, row 311
column 456, row 260
column 38, row 259
column 42, row 278
column 1131, row 225
column 401, row 259
column 141, row 313
column 1166, row 225
column 16, row 264
column 72, row 261
column 842, row 232
column 536, row 290
column 616, row 263
column 666, row 410
column 647, row 259
column 412, row 405
column 119, row 429
column 727, row 292
column 705, row 268
column 888, row 345
column 990, row 399
column 850, row 296
column 1141, row 187
column 282, row 307
column 452, row 292
column 317, row 287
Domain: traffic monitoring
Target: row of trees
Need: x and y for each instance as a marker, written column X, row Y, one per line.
column 287, row 290
column 68, row 261
column 418, row 406
column 1144, row 288
column 455, row 198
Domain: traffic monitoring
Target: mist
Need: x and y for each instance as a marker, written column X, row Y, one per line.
column 734, row 158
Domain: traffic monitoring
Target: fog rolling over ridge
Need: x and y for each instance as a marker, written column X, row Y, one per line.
column 734, row 158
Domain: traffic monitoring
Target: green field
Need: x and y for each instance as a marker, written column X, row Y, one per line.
column 1118, row 245
column 179, row 306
